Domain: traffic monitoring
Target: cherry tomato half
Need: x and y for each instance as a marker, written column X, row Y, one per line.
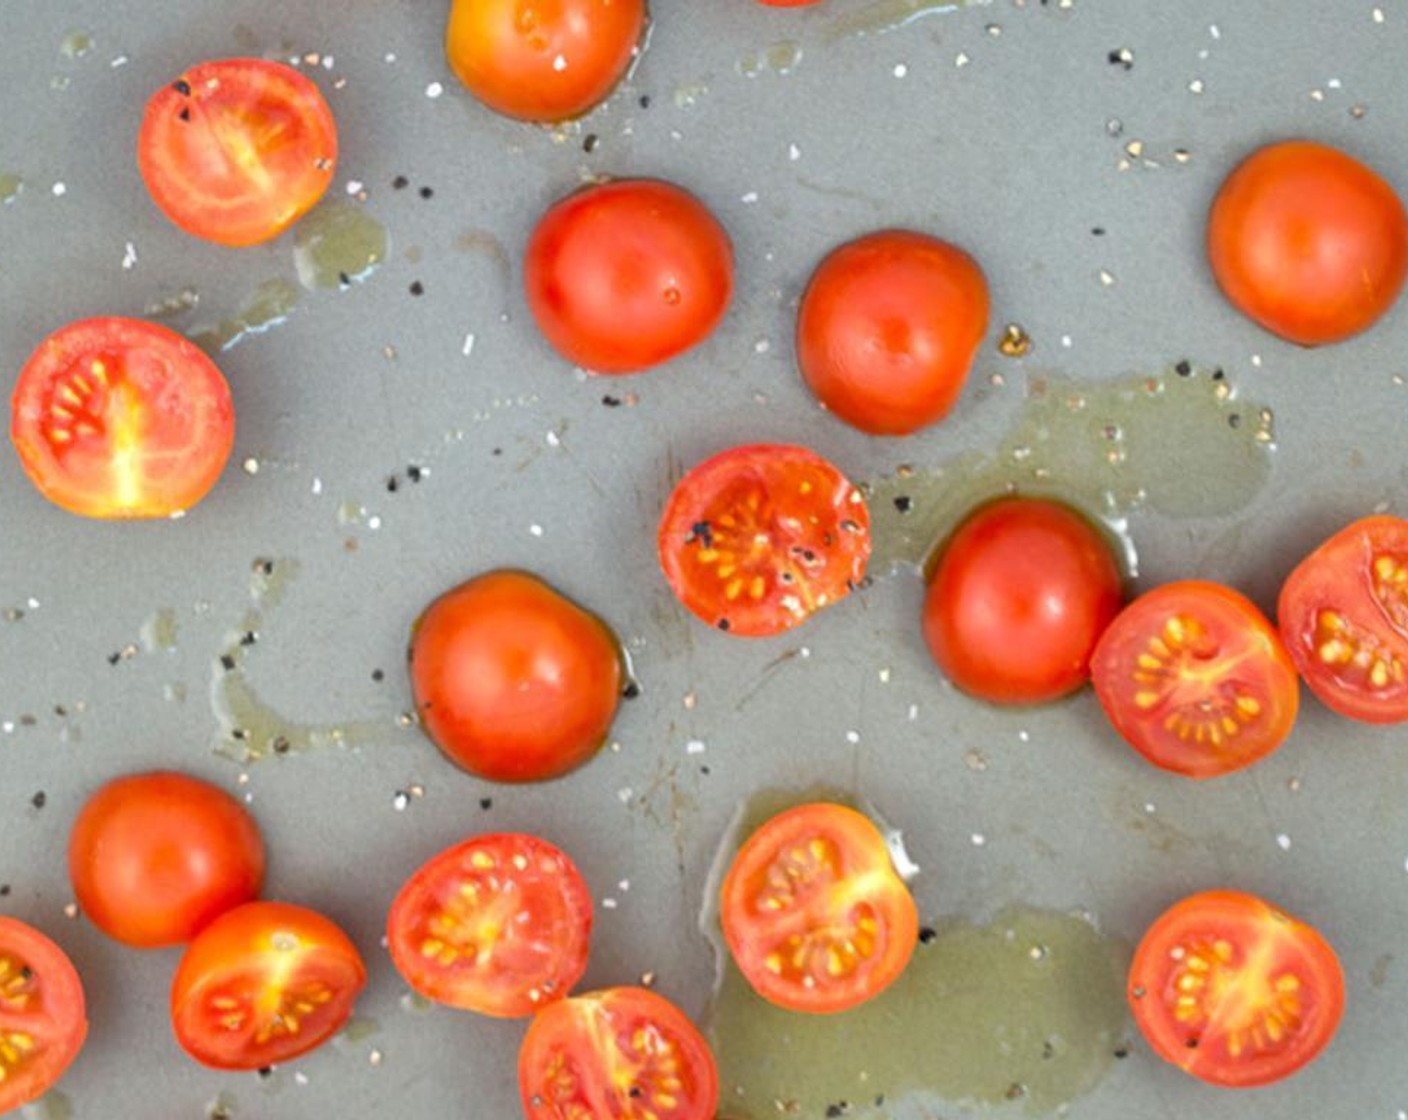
column 1235, row 991
column 514, row 681
column 498, row 924
column 758, row 538
column 42, row 1016
column 543, row 60
column 814, row 913
column 888, row 328
column 1343, row 612
column 154, row 858
column 626, row 275
column 121, row 418
column 1308, row 242
column 236, row 151
column 262, row 984
column 623, row 1053
column 1196, row 679
column 1020, row 595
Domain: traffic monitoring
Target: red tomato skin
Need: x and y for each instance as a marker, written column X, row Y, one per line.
column 1018, row 598
column 888, row 329
column 570, row 922
column 235, row 944
column 513, row 681
column 196, row 191
column 626, row 275
column 788, row 3
column 1308, row 242
column 61, row 992
column 154, row 858
column 513, row 66
column 1339, row 576
column 186, row 391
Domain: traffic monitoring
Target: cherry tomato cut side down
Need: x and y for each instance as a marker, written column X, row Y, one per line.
column 43, row 1019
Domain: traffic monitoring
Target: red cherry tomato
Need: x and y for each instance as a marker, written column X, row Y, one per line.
column 121, row 418
column 1019, row 596
column 814, row 913
column 1344, row 615
column 626, row 275
column 236, row 151
column 42, row 1017
column 513, row 681
column 545, row 60
column 1308, row 242
column 756, row 539
column 1235, row 991
column 622, row 1054
column 262, row 984
column 787, row 3
column 497, row 924
column 154, row 858
column 888, row 328
column 1196, row 679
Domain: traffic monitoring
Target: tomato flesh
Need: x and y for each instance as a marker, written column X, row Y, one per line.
column 544, row 60
column 1196, row 679
column 1017, row 600
column 119, row 418
column 814, row 913
column 498, row 924
column 513, row 681
column 262, row 984
column 235, row 151
column 1343, row 612
column 623, row 1053
column 758, row 538
column 1235, row 991
column 1308, row 242
column 42, row 1016
column 156, row 857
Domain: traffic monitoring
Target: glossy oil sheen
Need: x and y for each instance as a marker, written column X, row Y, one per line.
column 270, row 304
column 339, row 243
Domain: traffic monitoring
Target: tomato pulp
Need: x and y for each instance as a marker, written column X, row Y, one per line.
column 43, row 1020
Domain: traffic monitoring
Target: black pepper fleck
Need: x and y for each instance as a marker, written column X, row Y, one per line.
column 631, row 691
column 702, row 532
column 1098, row 231
column 227, row 662
column 184, row 114
column 344, row 279
column 400, row 183
column 393, row 484
column 1122, row 1053
column 611, row 402
column 1184, row 369
column 39, row 800
column 427, row 192
column 590, row 142
column 723, row 624
column 645, row 101
column 414, row 473
column 248, row 638
column 1218, row 375
column 927, row 934
column 1234, row 421
column 904, row 503
column 378, row 675
column 4, row 890
column 181, row 86
column 417, row 288
column 486, row 803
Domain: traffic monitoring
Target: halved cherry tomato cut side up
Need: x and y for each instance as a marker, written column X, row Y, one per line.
column 1343, row 612
column 814, row 913
column 1196, row 679
column 1235, row 991
column 499, row 924
column 758, row 538
column 622, row 1054
column 262, row 984
column 42, row 1015
column 236, row 151
column 121, row 418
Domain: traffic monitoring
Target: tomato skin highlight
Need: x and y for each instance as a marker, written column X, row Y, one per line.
column 1264, row 991
column 1308, row 242
column 843, row 897
column 626, row 275
column 758, row 538
column 513, row 681
column 154, row 858
column 1017, row 600
column 252, row 972
column 236, row 150
column 1343, row 612
column 120, row 418
column 43, row 1016
column 511, row 63
column 470, row 952
column 617, row 1054
column 888, row 328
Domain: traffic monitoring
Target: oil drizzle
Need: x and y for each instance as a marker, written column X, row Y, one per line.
column 53, row 1105
column 1026, row 1011
column 76, row 44
column 271, row 304
column 888, row 15
column 160, row 631
column 10, row 187
column 781, row 58
column 1181, row 443
column 338, row 244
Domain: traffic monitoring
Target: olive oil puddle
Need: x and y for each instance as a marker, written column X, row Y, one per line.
column 1181, row 443
column 1020, row 1016
column 337, row 245
column 271, row 304
column 781, row 58
column 160, row 631
column 890, row 15
column 53, row 1105
column 10, row 187
column 249, row 730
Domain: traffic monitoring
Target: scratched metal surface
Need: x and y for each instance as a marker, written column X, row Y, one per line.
column 989, row 125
